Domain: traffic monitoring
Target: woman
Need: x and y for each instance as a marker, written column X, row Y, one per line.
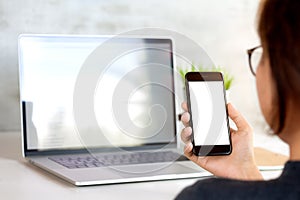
column 278, row 87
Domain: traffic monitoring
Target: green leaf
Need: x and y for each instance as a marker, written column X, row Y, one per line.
column 228, row 78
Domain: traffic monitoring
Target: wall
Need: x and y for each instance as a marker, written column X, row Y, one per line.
column 224, row 28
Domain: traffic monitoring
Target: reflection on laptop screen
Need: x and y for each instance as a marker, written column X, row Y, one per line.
column 131, row 108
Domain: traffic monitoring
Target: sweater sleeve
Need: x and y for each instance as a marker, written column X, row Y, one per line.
column 216, row 188
column 287, row 186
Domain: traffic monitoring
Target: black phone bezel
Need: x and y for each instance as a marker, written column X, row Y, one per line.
column 207, row 150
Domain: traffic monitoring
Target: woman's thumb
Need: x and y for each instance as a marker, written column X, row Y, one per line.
column 237, row 118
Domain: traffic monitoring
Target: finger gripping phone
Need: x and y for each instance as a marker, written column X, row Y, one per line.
column 208, row 113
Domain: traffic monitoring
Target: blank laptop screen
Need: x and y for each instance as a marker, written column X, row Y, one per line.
column 133, row 99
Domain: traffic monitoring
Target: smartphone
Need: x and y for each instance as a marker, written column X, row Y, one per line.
column 207, row 106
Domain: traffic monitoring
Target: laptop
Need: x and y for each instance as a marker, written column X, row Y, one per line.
column 101, row 109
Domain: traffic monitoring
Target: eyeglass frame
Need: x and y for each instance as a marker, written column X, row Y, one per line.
column 250, row 52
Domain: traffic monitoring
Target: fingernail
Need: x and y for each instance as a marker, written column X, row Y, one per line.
column 232, row 106
column 189, row 146
column 188, row 129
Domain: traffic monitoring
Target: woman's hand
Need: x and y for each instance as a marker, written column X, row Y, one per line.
column 240, row 164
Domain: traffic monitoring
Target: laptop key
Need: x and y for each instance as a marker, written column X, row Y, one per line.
column 101, row 160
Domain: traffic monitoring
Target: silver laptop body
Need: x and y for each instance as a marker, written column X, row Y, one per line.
column 100, row 109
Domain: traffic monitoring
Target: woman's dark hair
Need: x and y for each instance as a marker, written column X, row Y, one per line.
column 279, row 31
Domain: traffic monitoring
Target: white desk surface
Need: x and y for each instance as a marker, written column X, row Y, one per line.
column 21, row 180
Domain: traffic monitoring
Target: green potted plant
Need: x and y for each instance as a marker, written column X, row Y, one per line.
column 228, row 78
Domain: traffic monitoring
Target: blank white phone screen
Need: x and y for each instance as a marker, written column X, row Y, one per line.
column 208, row 113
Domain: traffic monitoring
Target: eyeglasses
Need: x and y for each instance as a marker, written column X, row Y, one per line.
column 254, row 56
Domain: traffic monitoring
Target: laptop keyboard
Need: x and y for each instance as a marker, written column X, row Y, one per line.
column 105, row 160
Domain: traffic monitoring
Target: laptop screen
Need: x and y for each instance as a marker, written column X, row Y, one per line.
column 133, row 99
